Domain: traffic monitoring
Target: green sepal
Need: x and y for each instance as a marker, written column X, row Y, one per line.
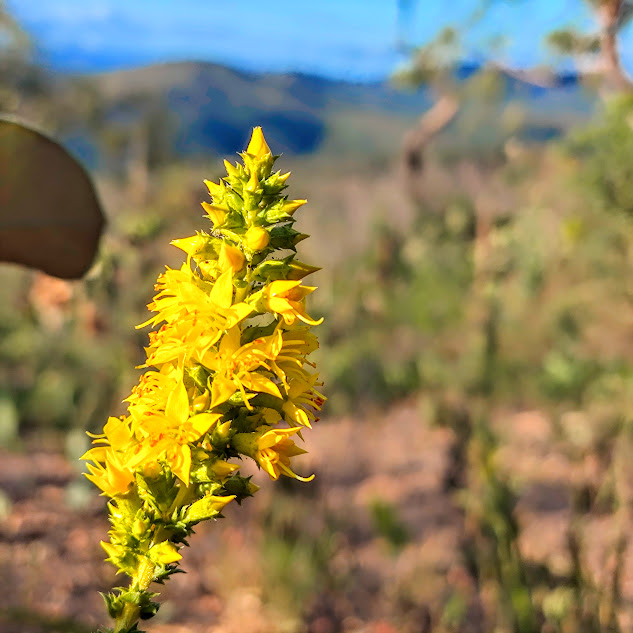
column 202, row 473
column 299, row 270
column 236, row 173
column 275, row 212
column 127, row 561
column 274, row 184
column 258, row 301
column 234, row 202
column 273, row 269
column 124, row 507
column 142, row 599
column 285, row 237
column 158, row 493
column 239, row 486
column 198, row 375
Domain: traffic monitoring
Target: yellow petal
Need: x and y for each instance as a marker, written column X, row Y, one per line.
column 221, row 390
column 177, row 408
column 222, row 292
column 180, row 462
column 215, row 214
column 202, row 422
column 257, row 382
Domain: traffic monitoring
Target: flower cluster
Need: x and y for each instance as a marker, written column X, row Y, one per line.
column 227, row 375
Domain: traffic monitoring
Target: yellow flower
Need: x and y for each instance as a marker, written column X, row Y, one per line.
column 154, row 387
column 303, row 401
column 236, row 366
column 166, row 436
column 298, row 343
column 272, row 449
column 113, row 477
column 182, row 293
column 286, row 297
column 110, row 471
column 195, row 319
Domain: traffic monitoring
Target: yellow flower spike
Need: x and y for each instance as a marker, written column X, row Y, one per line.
column 256, row 238
column 231, row 258
column 257, row 145
column 218, row 382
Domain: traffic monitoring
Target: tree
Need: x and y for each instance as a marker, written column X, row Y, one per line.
column 436, row 64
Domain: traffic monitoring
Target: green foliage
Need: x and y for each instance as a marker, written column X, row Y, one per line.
column 388, row 524
column 296, row 557
column 569, row 42
column 604, row 153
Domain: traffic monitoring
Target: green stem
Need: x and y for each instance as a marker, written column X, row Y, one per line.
column 140, row 582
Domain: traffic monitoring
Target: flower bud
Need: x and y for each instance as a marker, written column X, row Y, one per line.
column 258, row 146
column 201, row 403
column 256, row 238
column 139, row 527
column 215, row 214
column 152, row 470
column 231, row 258
column 164, row 553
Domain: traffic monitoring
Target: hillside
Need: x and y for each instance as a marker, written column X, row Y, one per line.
column 208, row 107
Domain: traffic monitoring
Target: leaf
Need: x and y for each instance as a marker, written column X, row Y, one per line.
column 50, row 217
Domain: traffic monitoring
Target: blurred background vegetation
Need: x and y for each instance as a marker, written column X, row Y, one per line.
column 475, row 228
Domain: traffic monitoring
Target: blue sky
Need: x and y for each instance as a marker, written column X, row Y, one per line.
column 346, row 39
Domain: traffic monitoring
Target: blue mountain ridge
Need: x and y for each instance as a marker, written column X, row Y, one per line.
column 201, row 108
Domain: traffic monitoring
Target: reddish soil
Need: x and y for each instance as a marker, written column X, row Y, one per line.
column 51, row 564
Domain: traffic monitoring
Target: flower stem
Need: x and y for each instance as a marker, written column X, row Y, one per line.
column 131, row 613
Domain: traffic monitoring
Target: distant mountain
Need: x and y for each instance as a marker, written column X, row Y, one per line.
column 211, row 108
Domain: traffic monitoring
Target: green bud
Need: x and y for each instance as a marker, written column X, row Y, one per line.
column 241, row 487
